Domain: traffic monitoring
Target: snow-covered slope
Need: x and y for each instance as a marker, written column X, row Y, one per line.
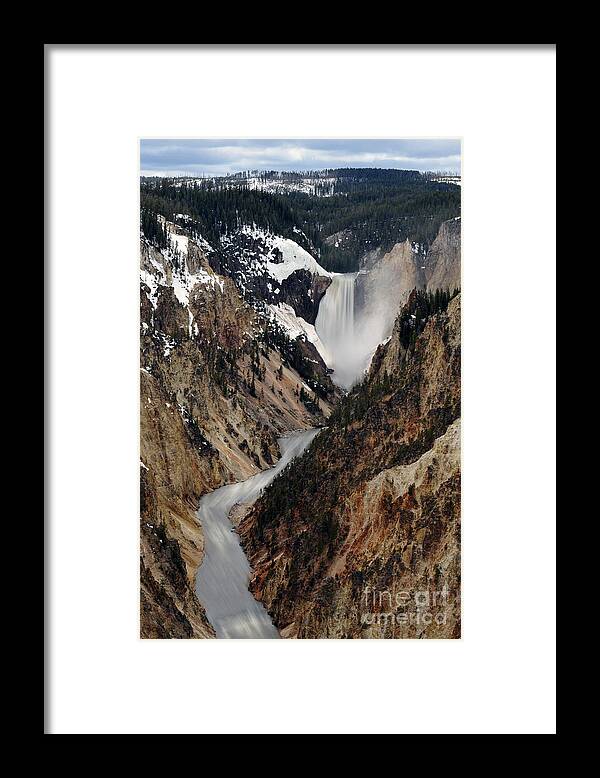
column 173, row 267
column 319, row 186
column 295, row 327
column 292, row 257
column 269, row 269
column 263, row 252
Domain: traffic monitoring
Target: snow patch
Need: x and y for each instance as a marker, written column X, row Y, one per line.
column 295, row 326
column 180, row 241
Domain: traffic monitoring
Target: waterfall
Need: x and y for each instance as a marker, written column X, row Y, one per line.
column 335, row 327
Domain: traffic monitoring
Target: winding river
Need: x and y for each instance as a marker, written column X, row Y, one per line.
column 224, row 575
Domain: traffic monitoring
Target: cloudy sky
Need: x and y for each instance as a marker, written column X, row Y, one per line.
column 219, row 157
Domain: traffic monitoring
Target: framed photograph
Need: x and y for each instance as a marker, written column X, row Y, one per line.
column 301, row 370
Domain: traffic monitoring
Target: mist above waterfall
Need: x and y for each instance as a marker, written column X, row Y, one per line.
column 351, row 333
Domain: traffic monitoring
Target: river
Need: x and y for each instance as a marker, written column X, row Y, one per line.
column 224, row 575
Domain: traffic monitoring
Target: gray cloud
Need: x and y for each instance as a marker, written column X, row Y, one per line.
column 218, row 157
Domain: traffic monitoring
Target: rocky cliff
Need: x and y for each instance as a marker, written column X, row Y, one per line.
column 360, row 537
column 272, row 269
column 385, row 281
column 219, row 385
column 442, row 263
column 173, row 476
column 303, row 291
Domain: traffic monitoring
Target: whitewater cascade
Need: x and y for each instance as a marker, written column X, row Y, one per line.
column 223, row 578
column 349, row 340
column 335, row 328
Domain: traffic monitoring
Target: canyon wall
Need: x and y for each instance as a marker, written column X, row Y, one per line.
column 442, row 263
column 358, row 533
column 385, row 281
column 217, row 389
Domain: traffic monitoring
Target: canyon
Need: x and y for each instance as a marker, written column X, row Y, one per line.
column 270, row 385
column 385, row 476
